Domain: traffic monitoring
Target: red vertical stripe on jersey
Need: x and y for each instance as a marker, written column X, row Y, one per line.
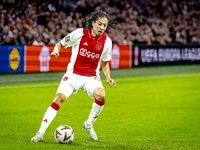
column 89, row 54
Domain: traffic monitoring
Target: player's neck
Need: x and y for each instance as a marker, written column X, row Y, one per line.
column 94, row 34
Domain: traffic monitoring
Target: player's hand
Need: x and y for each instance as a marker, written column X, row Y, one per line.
column 55, row 54
column 111, row 82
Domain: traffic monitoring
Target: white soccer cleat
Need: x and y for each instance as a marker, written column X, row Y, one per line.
column 90, row 130
column 37, row 138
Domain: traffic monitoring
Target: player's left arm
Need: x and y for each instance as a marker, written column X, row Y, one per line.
column 106, row 71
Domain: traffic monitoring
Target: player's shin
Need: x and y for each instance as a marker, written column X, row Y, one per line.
column 97, row 107
column 48, row 117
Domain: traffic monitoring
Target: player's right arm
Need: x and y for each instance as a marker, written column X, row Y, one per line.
column 67, row 41
column 56, row 50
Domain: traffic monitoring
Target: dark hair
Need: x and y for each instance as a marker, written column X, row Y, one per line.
column 99, row 14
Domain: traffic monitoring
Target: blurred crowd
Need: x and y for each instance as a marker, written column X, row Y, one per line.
column 38, row 22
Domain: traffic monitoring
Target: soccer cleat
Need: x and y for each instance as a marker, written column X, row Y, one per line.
column 90, row 130
column 38, row 137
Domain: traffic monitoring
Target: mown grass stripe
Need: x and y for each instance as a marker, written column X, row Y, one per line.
column 117, row 80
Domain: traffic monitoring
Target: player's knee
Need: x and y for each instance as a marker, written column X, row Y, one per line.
column 101, row 98
column 99, row 94
column 59, row 99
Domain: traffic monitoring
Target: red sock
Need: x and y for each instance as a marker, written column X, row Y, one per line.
column 55, row 106
column 101, row 103
column 97, row 107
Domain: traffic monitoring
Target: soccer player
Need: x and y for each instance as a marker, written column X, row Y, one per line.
column 89, row 47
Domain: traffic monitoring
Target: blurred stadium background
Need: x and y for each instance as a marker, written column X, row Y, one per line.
column 38, row 22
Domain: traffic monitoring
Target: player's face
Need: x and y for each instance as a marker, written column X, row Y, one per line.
column 99, row 27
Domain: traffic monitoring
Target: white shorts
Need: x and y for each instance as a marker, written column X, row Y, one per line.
column 71, row 83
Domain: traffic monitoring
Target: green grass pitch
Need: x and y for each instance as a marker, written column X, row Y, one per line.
column 150, row 112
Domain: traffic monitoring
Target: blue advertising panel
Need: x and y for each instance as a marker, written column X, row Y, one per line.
column 11, row 59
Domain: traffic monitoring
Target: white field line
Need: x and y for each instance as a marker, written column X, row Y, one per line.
column 27, row 86
column 117, row 80
column 159, row 77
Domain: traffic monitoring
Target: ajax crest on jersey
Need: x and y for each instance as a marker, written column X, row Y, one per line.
column 98, row 47
column 64, row 134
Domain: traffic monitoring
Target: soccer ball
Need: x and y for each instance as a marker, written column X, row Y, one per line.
column 64, row 134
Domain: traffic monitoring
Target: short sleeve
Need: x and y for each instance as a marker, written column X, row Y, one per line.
column 70, row 39
column 107, row 53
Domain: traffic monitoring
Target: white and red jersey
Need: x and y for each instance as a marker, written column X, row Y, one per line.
column 87, row 51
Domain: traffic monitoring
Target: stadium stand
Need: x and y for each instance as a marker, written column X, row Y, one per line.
column 38, row 22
